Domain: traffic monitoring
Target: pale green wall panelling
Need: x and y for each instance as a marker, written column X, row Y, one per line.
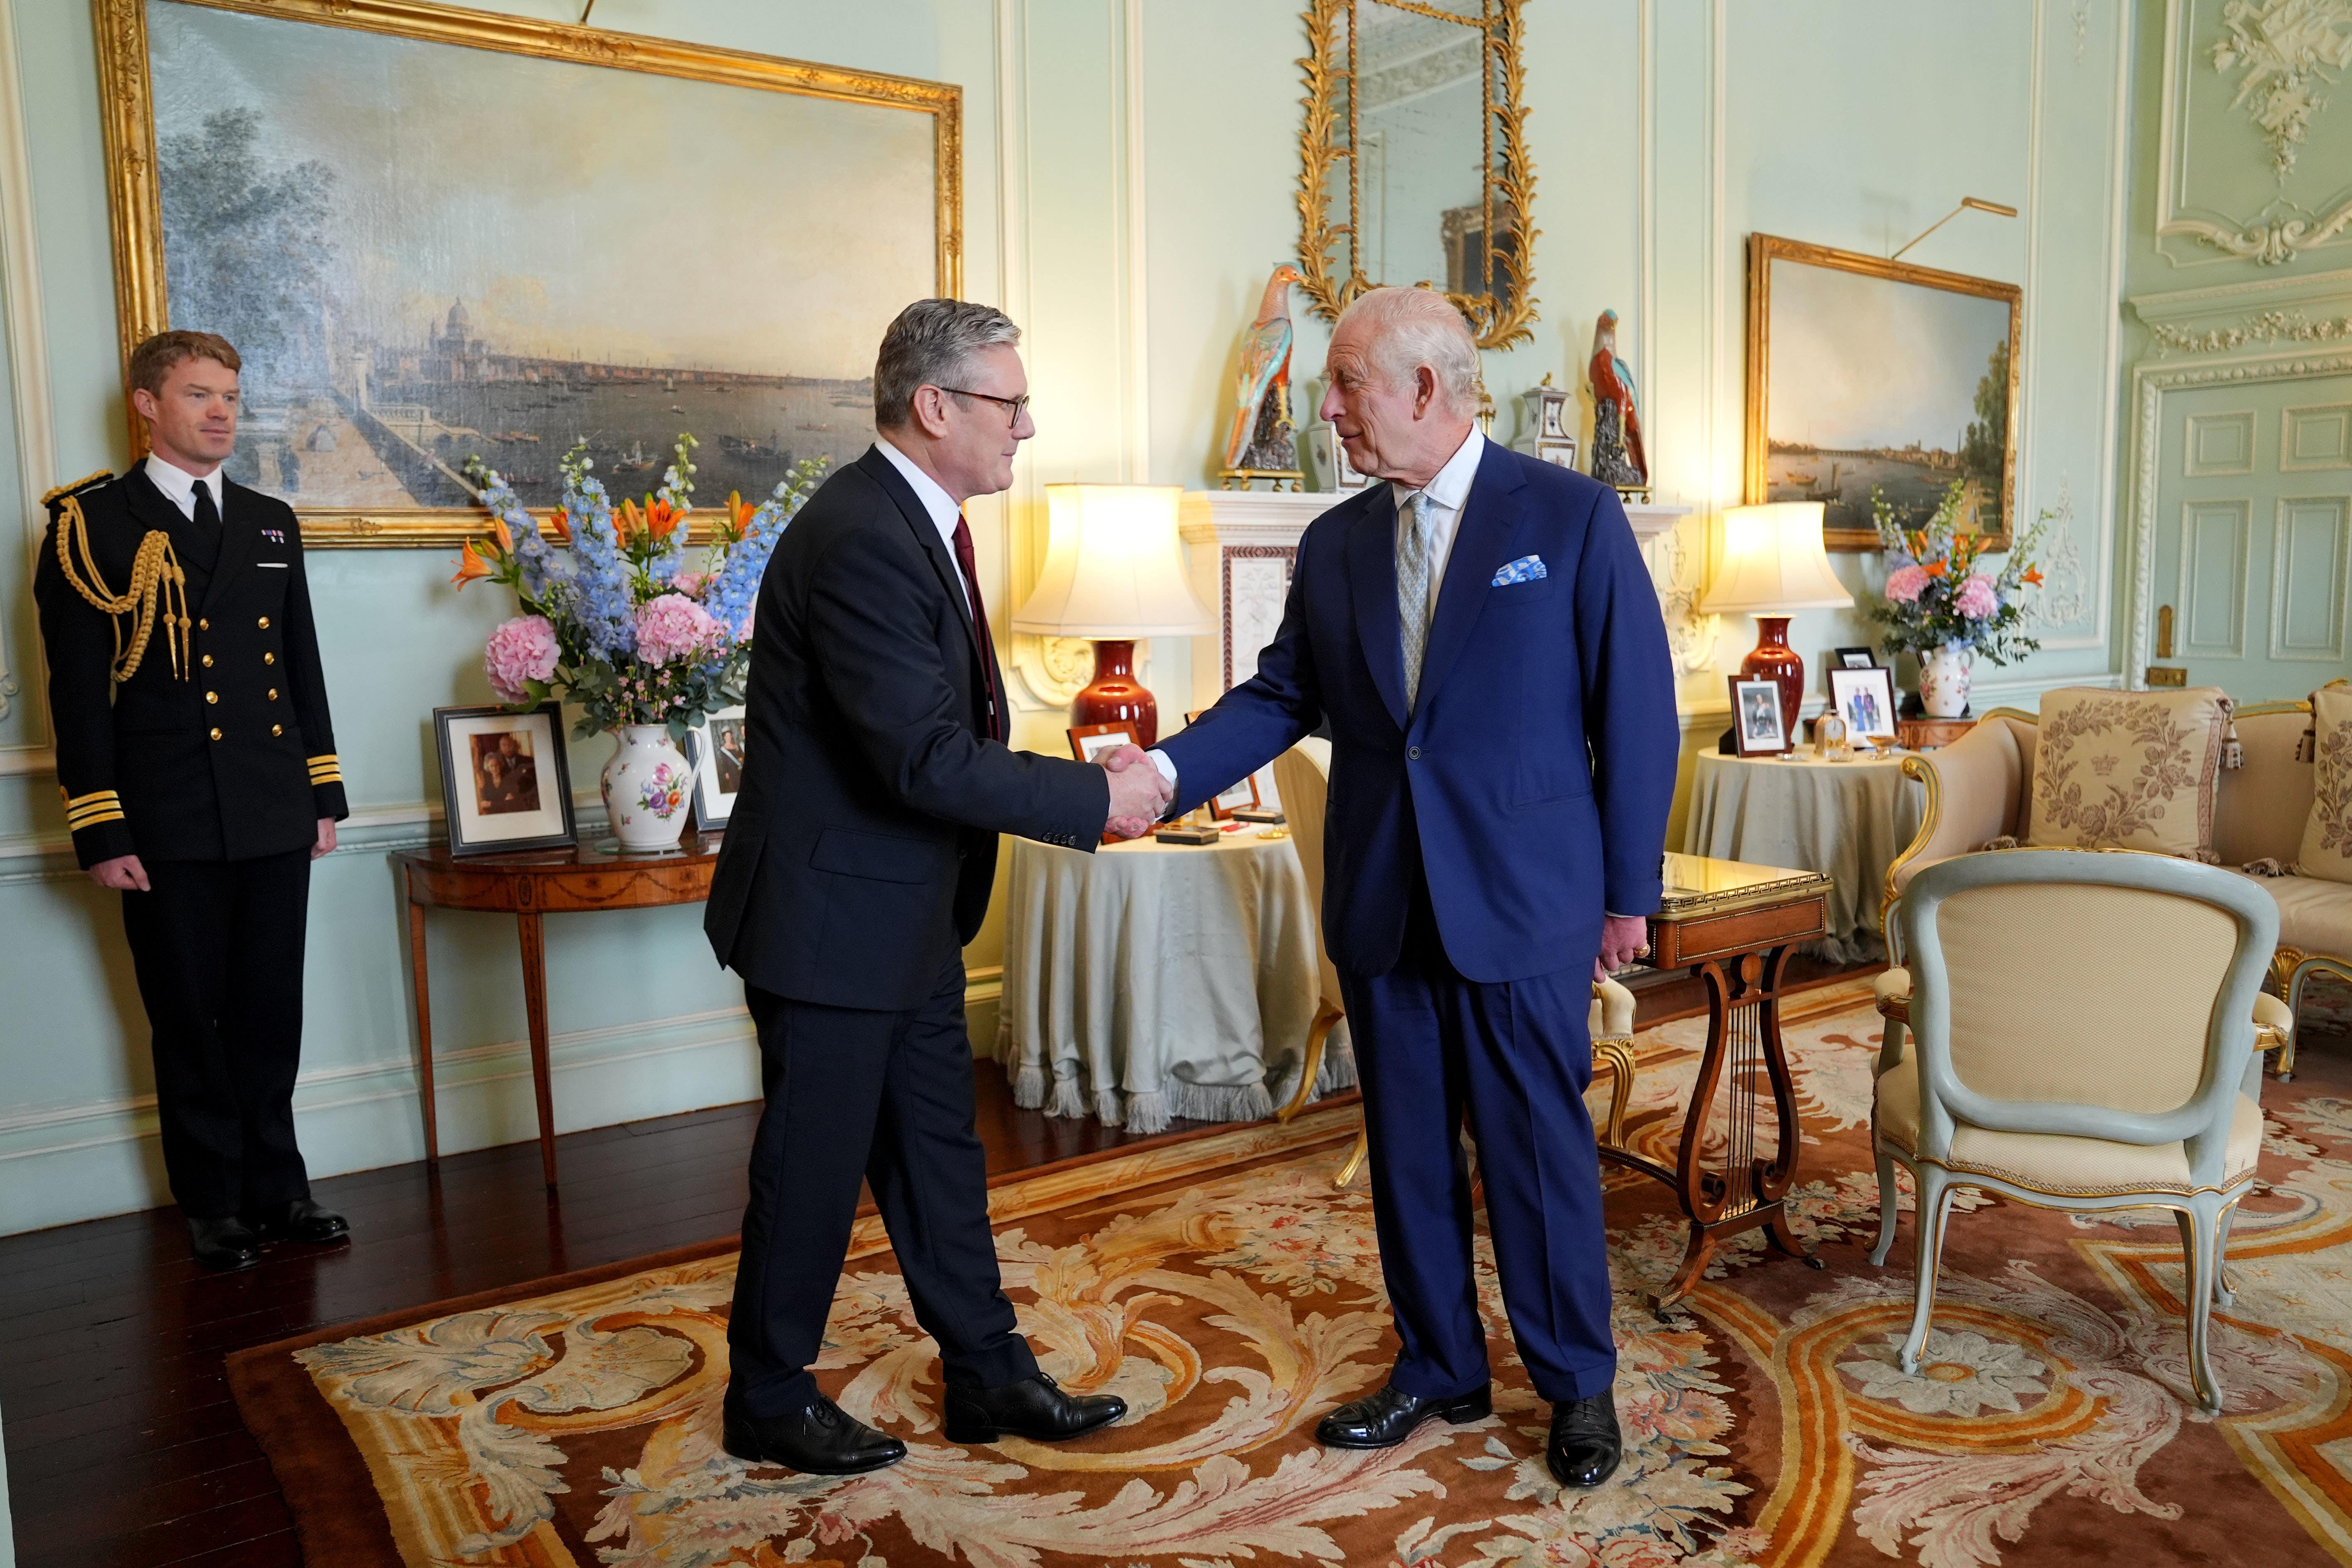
column 1662, row 131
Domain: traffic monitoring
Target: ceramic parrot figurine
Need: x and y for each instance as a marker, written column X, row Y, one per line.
column 1618, row 458
column 1261, row 428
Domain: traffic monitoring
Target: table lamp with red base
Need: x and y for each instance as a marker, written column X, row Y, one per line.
column 1115, row 574
column 1774, row 564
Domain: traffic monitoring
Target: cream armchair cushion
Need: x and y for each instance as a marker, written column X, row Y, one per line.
column 2328, row 833
column 2129, row 770
column 1891, row 993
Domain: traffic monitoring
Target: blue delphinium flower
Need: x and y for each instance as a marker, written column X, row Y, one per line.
column 736, row 583
column 600, row 599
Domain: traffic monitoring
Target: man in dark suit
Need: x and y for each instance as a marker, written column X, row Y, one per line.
column 197, row 763
column 857, row 865
column 1481, row 634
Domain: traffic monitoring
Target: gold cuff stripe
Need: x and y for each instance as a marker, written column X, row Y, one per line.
column 331, row 777
column 93, row 818
column 75, row 802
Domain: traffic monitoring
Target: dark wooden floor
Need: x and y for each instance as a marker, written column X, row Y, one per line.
column 123, row 1447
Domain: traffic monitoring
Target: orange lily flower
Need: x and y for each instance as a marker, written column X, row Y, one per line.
column 1935, row 568
column 629, row 522
column 505, row 535
column 661, row 518
column 472, row 563
column 738, row 513
column 2032, row 575
column 557, row 526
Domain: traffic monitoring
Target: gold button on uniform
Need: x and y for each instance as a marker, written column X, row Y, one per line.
column 265, row 659
column 215, row 734
column 208, row 662
column 203, row 625
column 278, row 729
column 273, row 694
column 265, row 623
column 212, row 696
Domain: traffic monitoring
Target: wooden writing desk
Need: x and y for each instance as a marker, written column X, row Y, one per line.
column 529, row 885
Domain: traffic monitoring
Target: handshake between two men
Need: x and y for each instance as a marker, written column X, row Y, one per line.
column 1139, row 794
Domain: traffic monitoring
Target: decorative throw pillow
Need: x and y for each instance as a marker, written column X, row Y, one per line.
column 2327, row 833
column 2129, row 770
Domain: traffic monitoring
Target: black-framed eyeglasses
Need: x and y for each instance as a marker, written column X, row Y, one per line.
column 1015, row 404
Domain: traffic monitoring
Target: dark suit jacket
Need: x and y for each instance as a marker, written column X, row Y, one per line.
column 861, row 850
column 236, row 761
column 1532, row 779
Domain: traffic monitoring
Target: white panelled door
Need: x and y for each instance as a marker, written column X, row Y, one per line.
column 2252, row 540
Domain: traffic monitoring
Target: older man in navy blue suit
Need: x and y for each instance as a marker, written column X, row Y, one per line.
column 1482, row 638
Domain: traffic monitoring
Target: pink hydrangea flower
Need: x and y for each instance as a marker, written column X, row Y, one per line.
column 1906, row 584
column 521, row 650
column 673, row 628
column 691, row 584
column 1976, row 598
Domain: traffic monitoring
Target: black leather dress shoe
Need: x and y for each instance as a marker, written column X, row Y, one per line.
column 299, row 1220
column 1585, row 1443
column 821, row 1440
column 1037, row 1409
column 223, row 1244
column 1391, row 1416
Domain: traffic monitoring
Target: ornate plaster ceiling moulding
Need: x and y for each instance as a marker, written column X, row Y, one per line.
column 2284, row 51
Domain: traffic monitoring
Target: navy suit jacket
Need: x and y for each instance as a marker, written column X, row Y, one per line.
column 1532, row 778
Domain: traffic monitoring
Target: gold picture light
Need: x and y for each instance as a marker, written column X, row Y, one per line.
column 1978, row 203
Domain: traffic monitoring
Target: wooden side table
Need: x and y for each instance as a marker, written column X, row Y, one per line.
column 530, row 886
column 1734, row 926
column 1926, row 734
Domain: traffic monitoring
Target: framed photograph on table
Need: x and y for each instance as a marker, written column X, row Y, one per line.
column 715, row 748
column 1756, row 717
column 1241, row 796
column 1857, row 658
column 1865, row 700
column 1089, row 742
column 505, row 784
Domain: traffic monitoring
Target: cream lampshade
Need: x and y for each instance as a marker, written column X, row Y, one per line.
column 1774, row 563
column 1114, row 573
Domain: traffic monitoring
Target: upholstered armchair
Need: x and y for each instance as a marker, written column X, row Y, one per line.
column 2082, row 1038
column 1979, row 787
column 1302, row 777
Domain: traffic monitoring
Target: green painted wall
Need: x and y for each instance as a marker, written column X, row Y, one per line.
column 1129, row 180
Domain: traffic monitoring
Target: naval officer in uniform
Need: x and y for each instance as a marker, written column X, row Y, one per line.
column 198, row 768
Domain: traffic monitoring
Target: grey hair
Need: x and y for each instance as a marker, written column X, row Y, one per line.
column 1410, row 328
column 931, row 345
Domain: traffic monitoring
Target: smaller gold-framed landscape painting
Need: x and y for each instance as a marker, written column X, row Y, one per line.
column 1869, row 376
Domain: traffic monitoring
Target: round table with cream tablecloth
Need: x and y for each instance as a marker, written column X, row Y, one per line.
column 1847, row 820
column 1147, row 981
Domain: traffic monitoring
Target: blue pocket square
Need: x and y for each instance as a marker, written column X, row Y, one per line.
column 1526, row 569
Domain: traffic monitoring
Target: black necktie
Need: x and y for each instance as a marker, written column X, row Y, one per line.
column 207, row 515
column 964, row 563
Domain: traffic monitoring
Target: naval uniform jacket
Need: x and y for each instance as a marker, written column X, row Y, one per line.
column 236, row 761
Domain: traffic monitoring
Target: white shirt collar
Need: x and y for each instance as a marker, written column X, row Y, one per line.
column 941, row 505
column 179, row 485
column 1451, row 489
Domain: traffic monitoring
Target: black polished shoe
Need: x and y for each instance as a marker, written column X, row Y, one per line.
column 223, row 1244
column 299, row 1220
column 1585, row 1444
column 821, row 1440
column 1391, row 1416
column 1035, row 1408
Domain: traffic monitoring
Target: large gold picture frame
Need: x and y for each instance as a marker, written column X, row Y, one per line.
column 1934, row 353
column 137, row 205
column 1500, row 237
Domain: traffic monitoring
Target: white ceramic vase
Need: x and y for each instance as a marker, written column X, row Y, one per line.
column 646, row 783
column 1944, row 681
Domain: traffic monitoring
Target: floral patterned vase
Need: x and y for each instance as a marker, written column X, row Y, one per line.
column 1944, row 681
column 645, row 784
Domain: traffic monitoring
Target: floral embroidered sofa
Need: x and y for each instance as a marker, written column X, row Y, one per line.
column 1979, row 794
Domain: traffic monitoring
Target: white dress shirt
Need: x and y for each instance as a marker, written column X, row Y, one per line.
column 1448, row 492
column 179, row 487
column 941, row 505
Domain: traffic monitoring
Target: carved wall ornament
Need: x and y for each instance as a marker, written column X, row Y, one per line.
column 2065, row 597
column 2284, row 51
column 2268, row 327
column 1053, row 670
column 2082, row 27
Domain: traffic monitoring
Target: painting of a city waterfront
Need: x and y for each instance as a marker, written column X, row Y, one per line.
column 427, row 251
column 1869, row 378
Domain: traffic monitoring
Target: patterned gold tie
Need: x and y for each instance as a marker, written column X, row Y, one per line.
column 1413, row 550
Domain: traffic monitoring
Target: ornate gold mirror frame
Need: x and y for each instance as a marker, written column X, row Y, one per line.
column 1494, row 240
column 135, row 199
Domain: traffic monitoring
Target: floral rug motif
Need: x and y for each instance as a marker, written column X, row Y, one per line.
column 576, row 1423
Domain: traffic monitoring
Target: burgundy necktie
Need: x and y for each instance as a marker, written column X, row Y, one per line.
column 979, row 626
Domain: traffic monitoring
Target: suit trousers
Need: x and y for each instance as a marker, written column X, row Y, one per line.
column 886, row 1096
column 217, row 948
column 1518, row 1057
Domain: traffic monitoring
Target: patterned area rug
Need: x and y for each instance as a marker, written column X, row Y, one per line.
column 1232, row 1298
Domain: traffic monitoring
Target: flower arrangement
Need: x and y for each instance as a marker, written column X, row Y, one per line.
column 611, row 620
column 1935, row 595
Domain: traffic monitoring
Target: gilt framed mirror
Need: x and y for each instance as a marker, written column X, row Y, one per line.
column 1413, row 164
